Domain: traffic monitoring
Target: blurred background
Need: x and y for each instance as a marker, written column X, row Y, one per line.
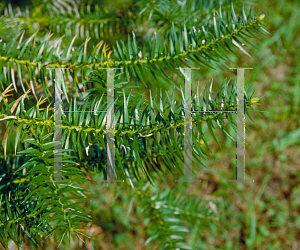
column 260, row 215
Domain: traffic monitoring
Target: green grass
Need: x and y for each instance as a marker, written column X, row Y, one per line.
column 264, row 214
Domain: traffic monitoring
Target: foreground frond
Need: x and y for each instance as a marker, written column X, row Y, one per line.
column 207, row 48
column 146, row 135
column 32, row 206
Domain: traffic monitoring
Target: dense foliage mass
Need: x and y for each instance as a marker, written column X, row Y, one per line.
column 146, row 43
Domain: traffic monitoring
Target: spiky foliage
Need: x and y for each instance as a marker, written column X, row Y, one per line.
column 149, row 132
column 70, row 18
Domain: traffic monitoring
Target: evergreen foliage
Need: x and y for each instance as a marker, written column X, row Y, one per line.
column 149, row 134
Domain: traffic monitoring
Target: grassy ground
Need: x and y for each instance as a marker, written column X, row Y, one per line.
column 265, row 214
